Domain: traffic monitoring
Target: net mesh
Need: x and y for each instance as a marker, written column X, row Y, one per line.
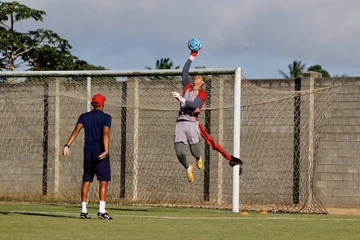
column 279, row 138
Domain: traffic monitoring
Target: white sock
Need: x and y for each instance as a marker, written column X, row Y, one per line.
column 189, row 169
column 102, row 207
column 83, row 207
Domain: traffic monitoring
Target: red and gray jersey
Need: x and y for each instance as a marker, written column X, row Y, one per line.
column 194, row 98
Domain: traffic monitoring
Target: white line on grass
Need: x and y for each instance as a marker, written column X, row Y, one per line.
column 200, row 218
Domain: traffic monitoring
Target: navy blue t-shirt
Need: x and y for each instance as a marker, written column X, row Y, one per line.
column 93, row 123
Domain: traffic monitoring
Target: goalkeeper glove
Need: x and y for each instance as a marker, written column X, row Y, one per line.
column 178, row 97
column 195, row 53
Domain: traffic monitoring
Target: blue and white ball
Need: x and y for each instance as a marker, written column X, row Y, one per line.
column 194, row 44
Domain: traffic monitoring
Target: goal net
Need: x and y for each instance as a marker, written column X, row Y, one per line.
column 279, row 139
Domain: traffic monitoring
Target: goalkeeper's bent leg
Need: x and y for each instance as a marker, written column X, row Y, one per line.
column 180, row 153
column 195, row 151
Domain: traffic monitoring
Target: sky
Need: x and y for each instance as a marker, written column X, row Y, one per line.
column 260, row 36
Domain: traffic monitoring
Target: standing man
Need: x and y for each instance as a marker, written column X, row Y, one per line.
column 187, row 125
column 96, row 153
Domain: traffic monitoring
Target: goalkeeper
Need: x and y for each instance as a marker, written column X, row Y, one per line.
column 187, row 130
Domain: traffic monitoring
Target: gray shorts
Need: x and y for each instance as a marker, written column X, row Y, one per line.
column 187, row 132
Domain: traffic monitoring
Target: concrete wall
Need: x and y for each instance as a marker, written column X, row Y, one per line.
column 337, row 175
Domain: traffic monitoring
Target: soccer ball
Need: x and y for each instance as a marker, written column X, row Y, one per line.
column 194, row 44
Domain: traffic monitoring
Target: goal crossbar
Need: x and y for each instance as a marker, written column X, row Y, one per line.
column 116, row 73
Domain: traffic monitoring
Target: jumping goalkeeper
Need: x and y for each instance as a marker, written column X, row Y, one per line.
column 187, row 130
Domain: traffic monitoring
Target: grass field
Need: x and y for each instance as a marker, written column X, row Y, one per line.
column 53, row 221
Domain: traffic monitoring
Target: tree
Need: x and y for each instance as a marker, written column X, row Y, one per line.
column 164, row 63
column 295, row 69
column 51, row 58
column 318, row 68
column 38, row 50
column 84, row 66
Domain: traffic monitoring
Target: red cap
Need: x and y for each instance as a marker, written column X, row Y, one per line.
column 98, row 100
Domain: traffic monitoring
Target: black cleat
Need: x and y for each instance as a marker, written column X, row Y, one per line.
column 104, row 216
column 84, row 215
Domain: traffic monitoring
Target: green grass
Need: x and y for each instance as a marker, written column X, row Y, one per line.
column 53, row 221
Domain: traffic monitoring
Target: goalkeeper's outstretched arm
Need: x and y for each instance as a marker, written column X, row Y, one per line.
column 185, row 73
column 186, row 68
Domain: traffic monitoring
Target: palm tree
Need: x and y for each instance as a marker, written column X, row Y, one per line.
column 164, row 63
column 295, row 69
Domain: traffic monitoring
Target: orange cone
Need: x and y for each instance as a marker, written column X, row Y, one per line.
column 245, row 214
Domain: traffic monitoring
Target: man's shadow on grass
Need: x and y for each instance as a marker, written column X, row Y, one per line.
column 41, row 214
